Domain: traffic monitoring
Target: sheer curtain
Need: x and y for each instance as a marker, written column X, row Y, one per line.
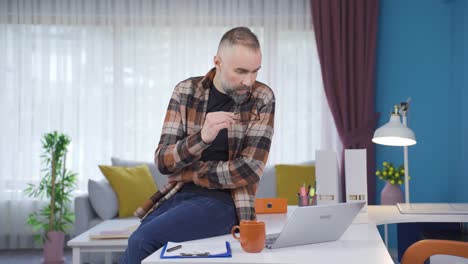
column 103, row 72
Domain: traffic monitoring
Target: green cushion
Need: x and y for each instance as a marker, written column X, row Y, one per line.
column 289, row 178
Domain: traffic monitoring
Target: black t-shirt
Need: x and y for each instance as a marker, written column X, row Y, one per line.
column 219, row 148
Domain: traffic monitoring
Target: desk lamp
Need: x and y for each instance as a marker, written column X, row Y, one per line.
column 394, row 133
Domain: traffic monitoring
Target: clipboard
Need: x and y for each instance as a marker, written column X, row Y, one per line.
column 203, row 250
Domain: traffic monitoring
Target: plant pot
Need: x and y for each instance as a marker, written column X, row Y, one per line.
column 53, row 247
column 391, row 194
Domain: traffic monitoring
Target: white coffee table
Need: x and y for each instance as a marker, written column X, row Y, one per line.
column 82, row 242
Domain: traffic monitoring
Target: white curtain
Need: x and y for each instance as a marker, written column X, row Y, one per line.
column 102, row 71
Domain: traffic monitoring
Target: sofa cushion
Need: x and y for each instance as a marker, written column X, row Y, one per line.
column 159, row 179
column 267, row 184
column 289, row 178
column 103, row 199
column 133, row 185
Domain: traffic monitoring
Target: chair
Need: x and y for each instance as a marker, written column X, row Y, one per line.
column 418, row 252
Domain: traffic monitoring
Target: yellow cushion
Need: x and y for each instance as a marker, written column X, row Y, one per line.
column 133, row 186
column 289, row 178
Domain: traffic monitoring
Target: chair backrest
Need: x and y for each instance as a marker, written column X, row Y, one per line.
column 418, row 252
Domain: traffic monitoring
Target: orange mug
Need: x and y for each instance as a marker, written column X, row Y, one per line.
column 252, row 235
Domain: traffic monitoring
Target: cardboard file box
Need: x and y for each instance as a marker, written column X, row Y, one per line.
column 328, row 177
column 356, row 176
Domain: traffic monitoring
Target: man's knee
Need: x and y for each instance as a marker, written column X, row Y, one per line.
column 143, row 243
column 135, row 240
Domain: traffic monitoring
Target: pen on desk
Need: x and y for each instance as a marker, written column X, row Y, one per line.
column 173, row 248
column 195, row 254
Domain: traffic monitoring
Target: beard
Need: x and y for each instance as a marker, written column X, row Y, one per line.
column 238, row 94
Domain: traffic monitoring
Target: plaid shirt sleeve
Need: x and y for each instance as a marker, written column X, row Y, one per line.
column 176, row 150
column 248, row 167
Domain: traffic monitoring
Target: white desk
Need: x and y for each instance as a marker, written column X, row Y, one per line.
column 361, row 243
column 389, row 214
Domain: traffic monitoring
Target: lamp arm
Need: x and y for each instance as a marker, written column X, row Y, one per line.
column 405, row 153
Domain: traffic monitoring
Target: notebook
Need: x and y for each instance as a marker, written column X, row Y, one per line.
column 433, row 208
column 315, row 224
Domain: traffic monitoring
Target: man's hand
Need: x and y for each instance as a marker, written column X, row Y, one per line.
column 185, row 176
column 214, row 122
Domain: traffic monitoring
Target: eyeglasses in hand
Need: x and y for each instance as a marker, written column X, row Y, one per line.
column 253, row 117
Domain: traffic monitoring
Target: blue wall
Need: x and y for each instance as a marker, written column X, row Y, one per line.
column 421, row 54
column 459, row 141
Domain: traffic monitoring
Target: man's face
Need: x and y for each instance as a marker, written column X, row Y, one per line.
column 236, row 71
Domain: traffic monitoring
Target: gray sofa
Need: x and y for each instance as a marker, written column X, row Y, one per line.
column 100, row 203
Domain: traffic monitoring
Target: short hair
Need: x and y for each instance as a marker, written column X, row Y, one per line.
column 240, row 36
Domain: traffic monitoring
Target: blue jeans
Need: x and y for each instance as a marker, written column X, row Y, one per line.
column 185, row 216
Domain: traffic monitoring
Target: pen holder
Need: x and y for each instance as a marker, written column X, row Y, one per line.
column 306, row 200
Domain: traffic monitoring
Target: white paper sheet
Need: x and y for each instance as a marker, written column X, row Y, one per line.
column 213, row 248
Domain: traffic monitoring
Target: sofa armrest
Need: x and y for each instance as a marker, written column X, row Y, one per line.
column 84, row 213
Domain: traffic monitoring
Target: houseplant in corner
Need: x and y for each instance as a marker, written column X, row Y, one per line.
column 56, row 185
column 394, row 177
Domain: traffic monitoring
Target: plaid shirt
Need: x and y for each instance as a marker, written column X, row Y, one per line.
column 249, row 140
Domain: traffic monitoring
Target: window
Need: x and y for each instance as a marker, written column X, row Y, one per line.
column 104, row 77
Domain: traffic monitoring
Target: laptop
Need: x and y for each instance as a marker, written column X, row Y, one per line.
column 315, row 224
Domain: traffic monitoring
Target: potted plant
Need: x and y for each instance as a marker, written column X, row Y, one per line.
column 56, row 185
column 394, row 177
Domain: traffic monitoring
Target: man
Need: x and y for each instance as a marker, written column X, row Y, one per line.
column 214, row 145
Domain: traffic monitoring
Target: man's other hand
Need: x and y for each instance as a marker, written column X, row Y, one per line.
column 185, row 176
column 214, row 122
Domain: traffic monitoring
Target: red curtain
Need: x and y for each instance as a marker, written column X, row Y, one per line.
column 345, row 31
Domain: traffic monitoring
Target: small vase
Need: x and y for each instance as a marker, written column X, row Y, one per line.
column 53, row 247
column 391, row 194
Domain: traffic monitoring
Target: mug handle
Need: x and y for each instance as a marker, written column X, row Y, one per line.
column 233, row 230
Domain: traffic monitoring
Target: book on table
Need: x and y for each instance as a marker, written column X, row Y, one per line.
column 118, row 233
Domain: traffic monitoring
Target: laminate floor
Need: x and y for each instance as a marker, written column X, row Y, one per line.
column 33, row 256
column 28, row 256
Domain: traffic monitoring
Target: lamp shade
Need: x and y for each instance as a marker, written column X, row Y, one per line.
column 394, row 133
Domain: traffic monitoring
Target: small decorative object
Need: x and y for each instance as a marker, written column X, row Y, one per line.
column 56, row 185
column 394, row 177
column 395, row 133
